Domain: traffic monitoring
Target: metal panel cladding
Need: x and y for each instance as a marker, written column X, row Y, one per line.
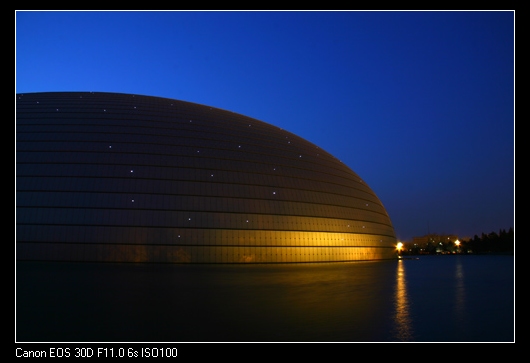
column 109, row 177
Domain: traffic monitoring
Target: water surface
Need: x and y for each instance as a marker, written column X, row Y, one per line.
column 432, row 298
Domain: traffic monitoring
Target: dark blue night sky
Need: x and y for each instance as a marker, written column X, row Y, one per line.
column 419, row 103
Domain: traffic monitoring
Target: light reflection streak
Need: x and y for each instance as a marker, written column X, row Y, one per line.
column 402, row 320
column 460, row 298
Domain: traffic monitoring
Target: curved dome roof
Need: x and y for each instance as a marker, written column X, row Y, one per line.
column 131, row 178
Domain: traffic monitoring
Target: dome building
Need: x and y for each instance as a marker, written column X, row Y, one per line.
column 107, row 177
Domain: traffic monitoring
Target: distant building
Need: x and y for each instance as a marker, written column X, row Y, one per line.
column 433, row 243
column 434, row 238
column 127, row 178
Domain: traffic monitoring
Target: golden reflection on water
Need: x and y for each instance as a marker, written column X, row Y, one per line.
column 402, row 320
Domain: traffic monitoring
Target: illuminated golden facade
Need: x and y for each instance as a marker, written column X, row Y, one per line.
column 111, row 177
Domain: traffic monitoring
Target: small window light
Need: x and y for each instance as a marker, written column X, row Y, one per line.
column 110, row 146
column 132, row 200
column 274, row 193
column 189, row 219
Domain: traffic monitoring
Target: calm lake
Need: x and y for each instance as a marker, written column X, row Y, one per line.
column 456, row 298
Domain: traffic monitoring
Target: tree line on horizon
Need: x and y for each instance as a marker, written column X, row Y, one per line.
column 502, row 242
